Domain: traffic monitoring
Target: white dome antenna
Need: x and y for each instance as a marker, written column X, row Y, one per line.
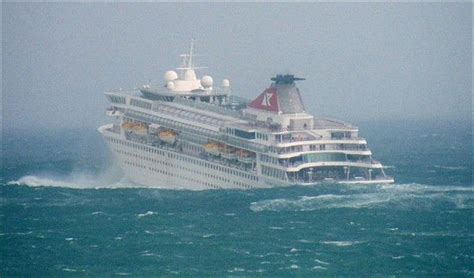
column 170, row 85
column 171, row 75
column 206, row 81
column 226, row 83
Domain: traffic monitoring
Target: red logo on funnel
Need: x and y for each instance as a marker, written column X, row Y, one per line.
column 268, row 100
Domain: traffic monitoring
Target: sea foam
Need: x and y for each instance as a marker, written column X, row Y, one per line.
column 404, row 196
column 72, row 182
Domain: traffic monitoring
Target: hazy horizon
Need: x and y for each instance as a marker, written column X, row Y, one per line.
column 377, row 61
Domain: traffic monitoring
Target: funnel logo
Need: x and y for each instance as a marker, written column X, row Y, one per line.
column 266, row 99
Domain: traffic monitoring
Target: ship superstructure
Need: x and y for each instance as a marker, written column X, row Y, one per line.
column 190, row 134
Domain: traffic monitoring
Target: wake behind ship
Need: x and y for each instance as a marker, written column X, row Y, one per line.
column 193, row 135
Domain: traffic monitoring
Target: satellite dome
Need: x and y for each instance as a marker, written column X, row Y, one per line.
column 171, row 75
column 206, row 81
column 170, row 85
column 225, row 83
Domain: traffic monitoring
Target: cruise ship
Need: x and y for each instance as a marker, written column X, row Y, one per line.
column 191, row 134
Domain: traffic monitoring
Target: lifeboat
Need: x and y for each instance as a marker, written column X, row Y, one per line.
column 128, row 126
column 140, row 129
column 168, row 136
column 245, row 156
column 212, row 148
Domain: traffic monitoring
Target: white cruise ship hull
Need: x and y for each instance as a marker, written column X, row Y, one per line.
column 165, row 168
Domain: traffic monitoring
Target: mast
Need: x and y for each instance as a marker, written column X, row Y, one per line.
column 187, row 69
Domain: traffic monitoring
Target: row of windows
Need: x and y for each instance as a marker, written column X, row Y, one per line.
column 321, row 157
column 136, row 146
column 248, row 135
column 180, row 167
column 208, row 184
column 261, row 136
column 268, row 159
column 117, row 99
column 272, row 172
column 134, row 164
column 242, row 185
column 192, row 148
column 140, row 103
column 138, row 165
column 321, row 147
column 186, row 114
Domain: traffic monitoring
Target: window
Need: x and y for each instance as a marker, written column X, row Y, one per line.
column 337, row 135
column 244, row 134
column 140, row 103
column 319, row 157
column 117, row 99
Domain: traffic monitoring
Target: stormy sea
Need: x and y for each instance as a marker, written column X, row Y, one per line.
column 67, row 210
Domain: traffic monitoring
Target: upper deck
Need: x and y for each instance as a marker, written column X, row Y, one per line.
column 225, row 123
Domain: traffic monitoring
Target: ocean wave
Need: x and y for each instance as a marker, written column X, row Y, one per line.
column 450, row 167
column 396, row 195
column 398, row 257
column 341, row 243
column 73, row 270
column 76, row 182
column 325, row 201
column 321, row 262
column 148, row 213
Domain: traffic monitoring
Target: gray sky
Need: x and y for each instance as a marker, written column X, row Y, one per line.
column 361, row 61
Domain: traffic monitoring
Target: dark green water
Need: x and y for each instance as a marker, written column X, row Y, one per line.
column 66, row 211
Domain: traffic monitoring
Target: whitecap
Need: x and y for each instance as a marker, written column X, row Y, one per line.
column 398, row 257
column 294, row 266
column 149, row 254
column 146, row 214
column 318, row 267
column 321, row 262
column 404, row 196
column 70, row 269
column 340, row 243
column 325, row 201
column 23, row 233
column 74, row 182
column 236, row 269
column 69, row 239
column 450, row 167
